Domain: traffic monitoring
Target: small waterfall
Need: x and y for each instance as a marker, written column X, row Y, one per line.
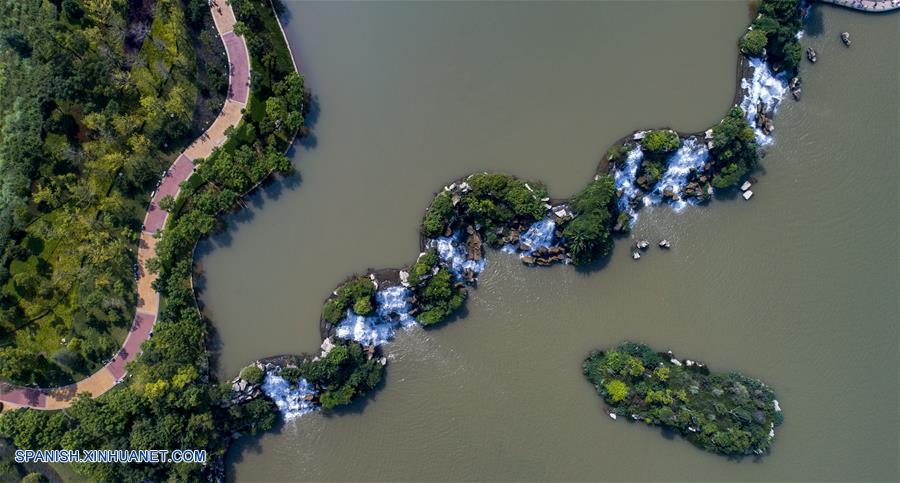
column 691, row 156
column 291, row 400
column 765, row 88
column 625, row 181
column 452, row 252
column 391, row 311
column 541, row 234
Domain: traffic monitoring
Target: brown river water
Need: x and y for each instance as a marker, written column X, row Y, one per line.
column 798, row 286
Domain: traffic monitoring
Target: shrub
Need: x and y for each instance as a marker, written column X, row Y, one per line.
column 439, row 298
column 438, row 215
column 586, row 236
column 734, row 151
column 356, row 293
column 423, row 267
column 616, row 389
column 345, row 372
column 291, row 374
column 252, row 374
column 754, row 43
column 660, row 141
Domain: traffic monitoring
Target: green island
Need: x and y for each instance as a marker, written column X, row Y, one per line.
column 76, row 170
column 723, row 413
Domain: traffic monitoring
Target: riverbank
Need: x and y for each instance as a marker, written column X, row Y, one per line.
column 170, row 383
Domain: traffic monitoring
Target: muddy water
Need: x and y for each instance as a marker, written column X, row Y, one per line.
column 798, row 286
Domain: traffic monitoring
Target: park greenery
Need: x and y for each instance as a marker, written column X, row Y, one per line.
column 126, row 106
column 734, row 152
column 775, row 32
column 728, row 414
column 98, row 98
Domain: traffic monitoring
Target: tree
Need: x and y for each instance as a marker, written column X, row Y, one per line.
column 616, row 389
column 167, row 203
column 754, row 43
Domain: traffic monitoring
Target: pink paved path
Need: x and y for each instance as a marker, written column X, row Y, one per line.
column 147, row 299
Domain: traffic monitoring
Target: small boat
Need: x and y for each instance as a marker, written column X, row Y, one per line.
column 635, row 255
column 746, row 186
column 845, row 38
column 811, row 54
column 665, row 244
column 747, row 194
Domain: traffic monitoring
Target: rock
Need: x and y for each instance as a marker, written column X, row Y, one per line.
column 527, row 260
column 236, row 387
column 455, row 199
column 635, row 255
column 796, row 93
column 327, row 345
column 448, row 232
column 382, row 361
column 665, row 243
column 845, row 38
column 473, row 245
column 642, row 244
column 404, row 278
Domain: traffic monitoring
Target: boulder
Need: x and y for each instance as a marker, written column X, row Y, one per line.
column 528, row 260
column 473, row 245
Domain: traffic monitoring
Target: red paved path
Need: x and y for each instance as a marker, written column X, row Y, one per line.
column 155, row 219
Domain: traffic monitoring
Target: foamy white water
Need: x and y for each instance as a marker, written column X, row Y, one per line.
column 452, row 252
column 689, row 157
column 763, row 87
column 291, row 400
column 391, row 311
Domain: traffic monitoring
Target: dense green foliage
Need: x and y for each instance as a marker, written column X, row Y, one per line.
column 662, row 141
column 754, row 42
column 494, row 201
column 587, row 236
column 424, row 267
column 167, row 401
column 439, row 297
column 98, row 98
column 345, row 372
column 252, row 374
column 734, row 152
column 722, row 413
column 357, row 293
column 779, row 21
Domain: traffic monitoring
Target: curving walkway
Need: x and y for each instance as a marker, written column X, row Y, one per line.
column 147, row 299
column 867, row 5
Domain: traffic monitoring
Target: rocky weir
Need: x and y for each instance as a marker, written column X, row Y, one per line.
column 399, row 297
column 490, row 211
